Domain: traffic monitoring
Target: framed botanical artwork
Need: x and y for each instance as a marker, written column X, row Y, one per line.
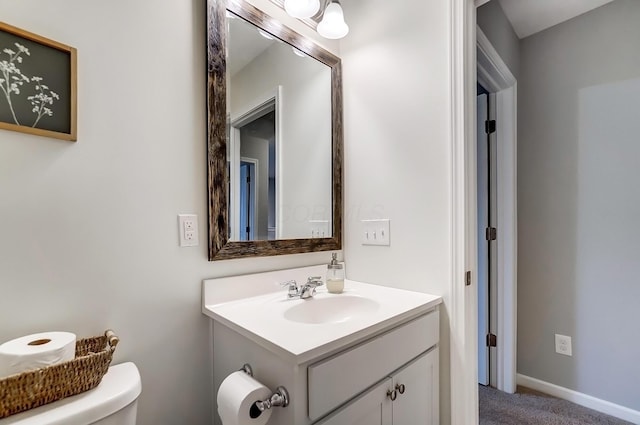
column 38, row 84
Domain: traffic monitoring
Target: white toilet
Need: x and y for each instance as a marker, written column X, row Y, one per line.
column 113, row 402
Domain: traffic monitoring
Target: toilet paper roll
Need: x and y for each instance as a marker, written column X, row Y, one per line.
column 236, row 398
column 35, row 351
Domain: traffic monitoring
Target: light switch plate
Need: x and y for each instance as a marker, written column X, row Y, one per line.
column 188, row 229
column 376, row 232
column 319, row 228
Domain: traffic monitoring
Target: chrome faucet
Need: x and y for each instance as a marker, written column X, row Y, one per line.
column 308, row 290
column 305, row 291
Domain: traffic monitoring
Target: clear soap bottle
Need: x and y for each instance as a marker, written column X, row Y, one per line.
column 335, row 275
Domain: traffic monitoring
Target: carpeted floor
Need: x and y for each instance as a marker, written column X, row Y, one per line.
column 530, row 408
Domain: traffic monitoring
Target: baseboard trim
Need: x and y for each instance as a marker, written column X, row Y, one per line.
column 585, row 400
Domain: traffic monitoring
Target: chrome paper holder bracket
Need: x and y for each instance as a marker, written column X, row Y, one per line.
column 278, row 398
column 246, row 368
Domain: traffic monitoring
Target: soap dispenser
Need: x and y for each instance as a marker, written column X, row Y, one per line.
column 335, row 275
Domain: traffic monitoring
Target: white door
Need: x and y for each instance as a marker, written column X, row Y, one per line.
column 483, row 252
column 487, row 246
column 248, row 195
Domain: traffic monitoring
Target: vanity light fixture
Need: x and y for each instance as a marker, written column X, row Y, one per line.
column 333, row 25
column 302, row 9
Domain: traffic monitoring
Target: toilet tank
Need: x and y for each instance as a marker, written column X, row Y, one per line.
column 113, row 402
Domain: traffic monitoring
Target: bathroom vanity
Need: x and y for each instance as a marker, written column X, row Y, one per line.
column 368, row 355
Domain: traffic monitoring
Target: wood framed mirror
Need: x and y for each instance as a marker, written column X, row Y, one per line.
column 287, row 199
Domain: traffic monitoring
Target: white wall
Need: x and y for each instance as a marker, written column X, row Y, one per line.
column 396, row 64
column 89, row 236
column 304, row 157
column 89, row 229
column 578, row 203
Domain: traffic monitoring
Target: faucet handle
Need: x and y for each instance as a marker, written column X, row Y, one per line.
column 315, row 281
column 292, row 286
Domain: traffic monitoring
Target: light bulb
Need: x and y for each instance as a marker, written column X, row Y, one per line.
column 265, row 34
column 333, row 24
column 302, row 9
column 298, row 52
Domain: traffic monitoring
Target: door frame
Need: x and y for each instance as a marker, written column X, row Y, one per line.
column 463, row 291
column 463, row 314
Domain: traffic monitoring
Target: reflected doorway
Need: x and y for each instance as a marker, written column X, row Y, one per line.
column 253, row 191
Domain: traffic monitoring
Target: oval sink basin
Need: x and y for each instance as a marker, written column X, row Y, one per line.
column 331, row 309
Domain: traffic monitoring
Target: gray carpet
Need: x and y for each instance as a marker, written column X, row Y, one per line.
column 498, row 408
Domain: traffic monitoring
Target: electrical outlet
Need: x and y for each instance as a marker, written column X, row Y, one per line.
column 563, row 345
column 188, row 224
column 188, row 229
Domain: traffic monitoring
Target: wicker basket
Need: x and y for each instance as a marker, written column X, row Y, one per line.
column 31, row 389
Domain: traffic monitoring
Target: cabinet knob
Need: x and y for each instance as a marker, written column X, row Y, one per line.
column 400, row 388
column 392, row 394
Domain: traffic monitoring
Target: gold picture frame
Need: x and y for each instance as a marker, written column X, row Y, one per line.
column 38, row 84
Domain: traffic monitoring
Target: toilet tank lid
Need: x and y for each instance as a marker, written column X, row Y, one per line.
column 120, row 386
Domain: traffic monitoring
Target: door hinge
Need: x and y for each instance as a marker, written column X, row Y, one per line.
column 491, row 234
column 492, row 340
column 490, row 126
column 467, row 278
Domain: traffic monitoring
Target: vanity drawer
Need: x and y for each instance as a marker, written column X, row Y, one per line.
column 335, row 380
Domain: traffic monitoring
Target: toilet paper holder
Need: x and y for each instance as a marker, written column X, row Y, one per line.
column 279, row 398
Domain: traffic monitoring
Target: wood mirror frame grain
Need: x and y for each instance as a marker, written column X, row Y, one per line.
column 220, row 247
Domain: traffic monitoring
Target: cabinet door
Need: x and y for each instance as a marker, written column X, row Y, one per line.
column 418, row 404
column 371, row 408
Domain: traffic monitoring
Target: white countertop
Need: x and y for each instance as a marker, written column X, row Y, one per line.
column 261, row 318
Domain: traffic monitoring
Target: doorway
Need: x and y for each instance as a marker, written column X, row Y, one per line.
column 256, row 207
column 253, row 160
column 497, row 79
column 473, row 54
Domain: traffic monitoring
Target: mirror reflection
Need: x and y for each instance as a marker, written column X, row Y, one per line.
column 279, row 138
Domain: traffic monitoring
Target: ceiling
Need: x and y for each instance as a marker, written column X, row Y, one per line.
column 531, row 16
column 245, row 42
